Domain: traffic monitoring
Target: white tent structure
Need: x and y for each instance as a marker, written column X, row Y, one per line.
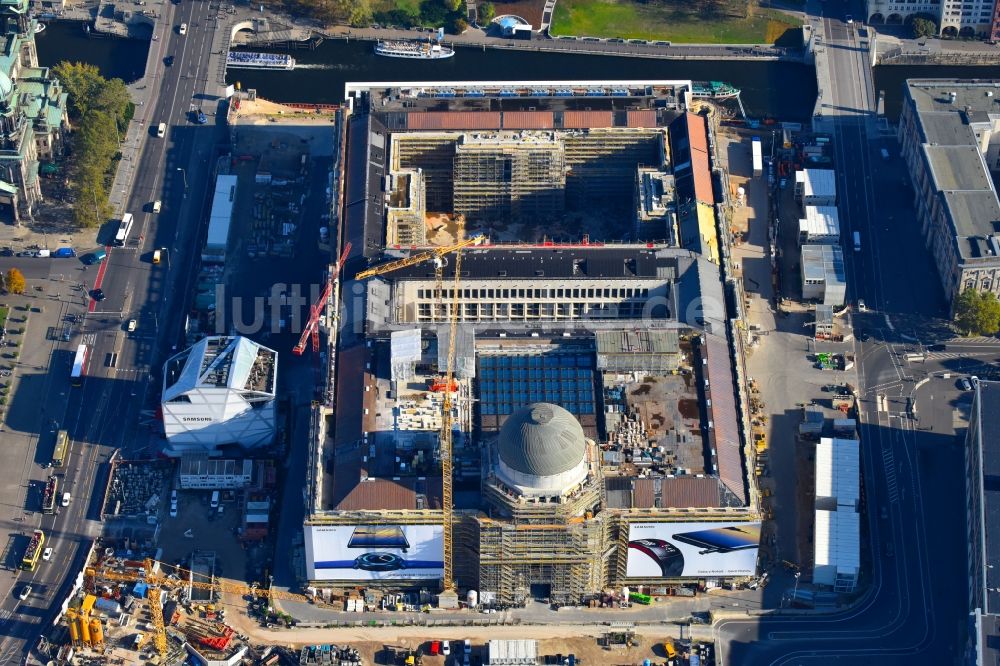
column 220, row 391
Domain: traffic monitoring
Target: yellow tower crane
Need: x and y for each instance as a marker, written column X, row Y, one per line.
column 437, row 255
column 178, row 578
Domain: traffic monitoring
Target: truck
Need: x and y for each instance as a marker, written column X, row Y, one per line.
column 758, row 156
column 857, row 241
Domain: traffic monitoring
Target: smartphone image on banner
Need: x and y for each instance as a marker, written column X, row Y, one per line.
column 378, row 537
column 722, row 539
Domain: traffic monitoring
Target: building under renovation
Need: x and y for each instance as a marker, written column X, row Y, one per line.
column 542, row 490
column 595, row 412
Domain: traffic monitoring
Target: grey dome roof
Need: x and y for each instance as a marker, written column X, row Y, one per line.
column 542, row 439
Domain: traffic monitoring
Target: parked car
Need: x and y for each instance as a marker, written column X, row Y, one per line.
column 131, row 325
column 861, row 305
column 445, row 648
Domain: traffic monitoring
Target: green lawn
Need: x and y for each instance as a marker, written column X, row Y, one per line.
column 4, row 311
column 707, row 22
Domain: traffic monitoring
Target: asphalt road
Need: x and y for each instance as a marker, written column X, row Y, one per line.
column 124, row 368
column 913, row 561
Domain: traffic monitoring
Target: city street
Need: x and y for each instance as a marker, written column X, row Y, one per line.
column 107, row 411
column 914, row 604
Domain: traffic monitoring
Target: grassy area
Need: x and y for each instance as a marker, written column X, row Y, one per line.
column 706, row 22
column 4, row 311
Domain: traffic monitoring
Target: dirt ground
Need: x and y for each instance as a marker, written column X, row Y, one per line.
column 580, row 640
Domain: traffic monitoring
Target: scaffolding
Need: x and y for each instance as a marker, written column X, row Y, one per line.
column 433, row 154
column 602, row 165
column 562, row 560
column 509, row 177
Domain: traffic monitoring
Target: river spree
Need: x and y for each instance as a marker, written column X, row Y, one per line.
column 786, row 91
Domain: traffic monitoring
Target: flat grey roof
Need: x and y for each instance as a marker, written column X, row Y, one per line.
column 957, row 168
column 933, row 95
column 824, row 262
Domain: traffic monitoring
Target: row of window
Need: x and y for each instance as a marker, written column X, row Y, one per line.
column 607, row 292
column 509, row 311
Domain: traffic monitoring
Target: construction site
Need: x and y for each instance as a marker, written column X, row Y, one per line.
column 539, row 410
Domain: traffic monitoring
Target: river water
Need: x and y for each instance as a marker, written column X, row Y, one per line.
column 783, row 90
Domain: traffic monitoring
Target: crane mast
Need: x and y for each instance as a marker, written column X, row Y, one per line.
column 452, row 314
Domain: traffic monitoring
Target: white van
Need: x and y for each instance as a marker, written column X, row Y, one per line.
column 857, row 241
column 215, row 499
column 161, row 130
column 43, row 253
column 157, row 205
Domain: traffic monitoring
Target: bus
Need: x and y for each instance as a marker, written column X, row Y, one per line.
column 34, row 551
column 79, row 365
column 61, row 452
column 124, row 229
column 49, row 496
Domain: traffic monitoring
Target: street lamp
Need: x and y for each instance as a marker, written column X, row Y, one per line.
column 184, row 175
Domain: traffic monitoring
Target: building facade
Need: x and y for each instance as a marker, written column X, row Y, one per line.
column 220, row 391
column 982, row 465
column 954, row 18
column 950, row 136
column 32, row 113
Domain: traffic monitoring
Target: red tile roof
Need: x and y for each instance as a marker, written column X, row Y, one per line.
column 587, row 119
column 645, row 118
column 528, row 120
column 453, row 120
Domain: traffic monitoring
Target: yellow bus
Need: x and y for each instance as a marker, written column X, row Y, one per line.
column 34, row 551
column 61, row 452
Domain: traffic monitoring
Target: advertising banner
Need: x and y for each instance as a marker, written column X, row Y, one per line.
column 374, row 552
column 692, row 550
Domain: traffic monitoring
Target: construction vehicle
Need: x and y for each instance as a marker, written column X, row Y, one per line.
column 152, row 574
column 668, row 647
column 437, row 255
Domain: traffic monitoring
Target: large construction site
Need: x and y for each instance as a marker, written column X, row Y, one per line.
column 535, row 386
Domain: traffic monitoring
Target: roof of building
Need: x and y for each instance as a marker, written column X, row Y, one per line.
column 512, row 262
column 691, row 161
column 235, row 363
column 948, row 113
column 222, row 211
column 986, row 428
column 626, row 492
column 820, row 221
column 817, row 182
column 838, row 539
column 838, row 471
column 637, row 342
column 725, row 427
column 957, row 167
column 824, row 262
column 542, row 439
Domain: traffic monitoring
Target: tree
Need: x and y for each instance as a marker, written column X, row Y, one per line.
column 977, row 313
column 457, row 26
column 485, row 13
column 15, row 281
column 453, row 5
column 923, row 26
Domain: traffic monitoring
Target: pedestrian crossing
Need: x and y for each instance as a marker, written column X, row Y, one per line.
column 982, row 340
column 889, row 465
